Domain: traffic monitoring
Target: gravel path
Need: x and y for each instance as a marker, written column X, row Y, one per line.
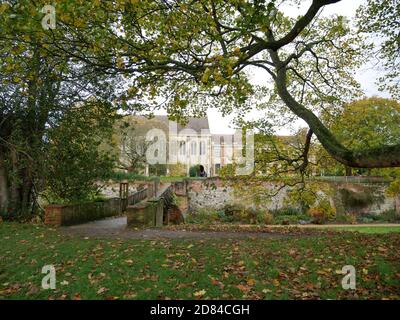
column 116, row 228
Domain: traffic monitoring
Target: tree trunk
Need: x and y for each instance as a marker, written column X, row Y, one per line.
column 381, row 157
column 3, row 185
column 349, row 171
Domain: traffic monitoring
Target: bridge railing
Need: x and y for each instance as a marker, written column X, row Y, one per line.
column 152, row 212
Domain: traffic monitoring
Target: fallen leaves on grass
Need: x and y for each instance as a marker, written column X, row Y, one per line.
column 200, row 294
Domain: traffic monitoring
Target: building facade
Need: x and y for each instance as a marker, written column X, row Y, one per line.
column 192, row 144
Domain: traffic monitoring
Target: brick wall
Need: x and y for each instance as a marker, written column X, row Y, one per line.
column 62, row 215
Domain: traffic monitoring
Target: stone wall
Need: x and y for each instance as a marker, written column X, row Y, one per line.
column 215, row 193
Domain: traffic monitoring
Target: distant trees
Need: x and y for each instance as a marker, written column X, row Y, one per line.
column 368, row 123
column 130, row 136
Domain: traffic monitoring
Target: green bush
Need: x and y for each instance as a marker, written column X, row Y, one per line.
column 348, row 218
column 264, row 217
column 353, row 199
column 158, row 169
column 391, row 216
column 203, row 216
column 194, row 171
column 177, row 170
column 387, row 216
column 231, row 214
column 322, row 212
column 291, row 219
column 287, row 211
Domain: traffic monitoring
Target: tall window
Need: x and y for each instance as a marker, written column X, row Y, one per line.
column 193, row 148
column 217, row 151
column 182, row 148
column 202, row 148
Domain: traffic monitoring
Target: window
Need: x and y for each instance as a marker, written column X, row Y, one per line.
column 193, row 148
column 217, row 168
column 217, row 151
column 182, row 148
column 202, row 148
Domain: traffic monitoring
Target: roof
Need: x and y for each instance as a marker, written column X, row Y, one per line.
column 223, row 138
column 196, row 124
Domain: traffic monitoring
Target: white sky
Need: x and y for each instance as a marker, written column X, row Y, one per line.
column 366, row 75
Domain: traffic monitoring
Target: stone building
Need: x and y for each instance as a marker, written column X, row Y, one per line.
column 190, row 144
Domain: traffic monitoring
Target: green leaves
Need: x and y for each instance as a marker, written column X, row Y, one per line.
column 380, row 18
column 78, row 152
column 367, row 123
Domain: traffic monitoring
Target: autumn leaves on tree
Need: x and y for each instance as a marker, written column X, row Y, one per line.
column 183, row 56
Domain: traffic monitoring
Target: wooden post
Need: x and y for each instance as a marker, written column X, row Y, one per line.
column 160, row 212
column 123, row 195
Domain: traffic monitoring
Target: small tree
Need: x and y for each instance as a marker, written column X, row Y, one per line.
column 131, row 141
column 78, row 153
column 194, row 171
column 177, row 170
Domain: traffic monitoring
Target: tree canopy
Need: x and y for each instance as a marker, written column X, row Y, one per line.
column 381, row 20
column 183, row 56
column 368, row 123
column 188, row 55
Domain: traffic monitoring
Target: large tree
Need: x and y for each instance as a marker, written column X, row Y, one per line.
column 182, row 55
column 39, row 86
column 189, row 52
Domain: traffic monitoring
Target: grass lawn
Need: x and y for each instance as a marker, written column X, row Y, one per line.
column 369, row 229
column 299, row 267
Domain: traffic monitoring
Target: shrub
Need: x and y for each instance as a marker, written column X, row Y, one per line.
column 264, row 217
column 390, row 216
column 394, row 188
column 158, row 169
column 353, row 199
column 177, row 170
column 232, row 209
column 228, row 170
column 194, row 170
column 288, row 211
column 347, row 218
column 322, row 212
column 291, row 219
column 386, row 216
column 239, row 213
column 224, row 218
column 203, row 216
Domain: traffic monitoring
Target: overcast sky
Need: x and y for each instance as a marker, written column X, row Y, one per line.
column 367, row 75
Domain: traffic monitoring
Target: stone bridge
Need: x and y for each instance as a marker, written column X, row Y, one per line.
column 155, row 210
